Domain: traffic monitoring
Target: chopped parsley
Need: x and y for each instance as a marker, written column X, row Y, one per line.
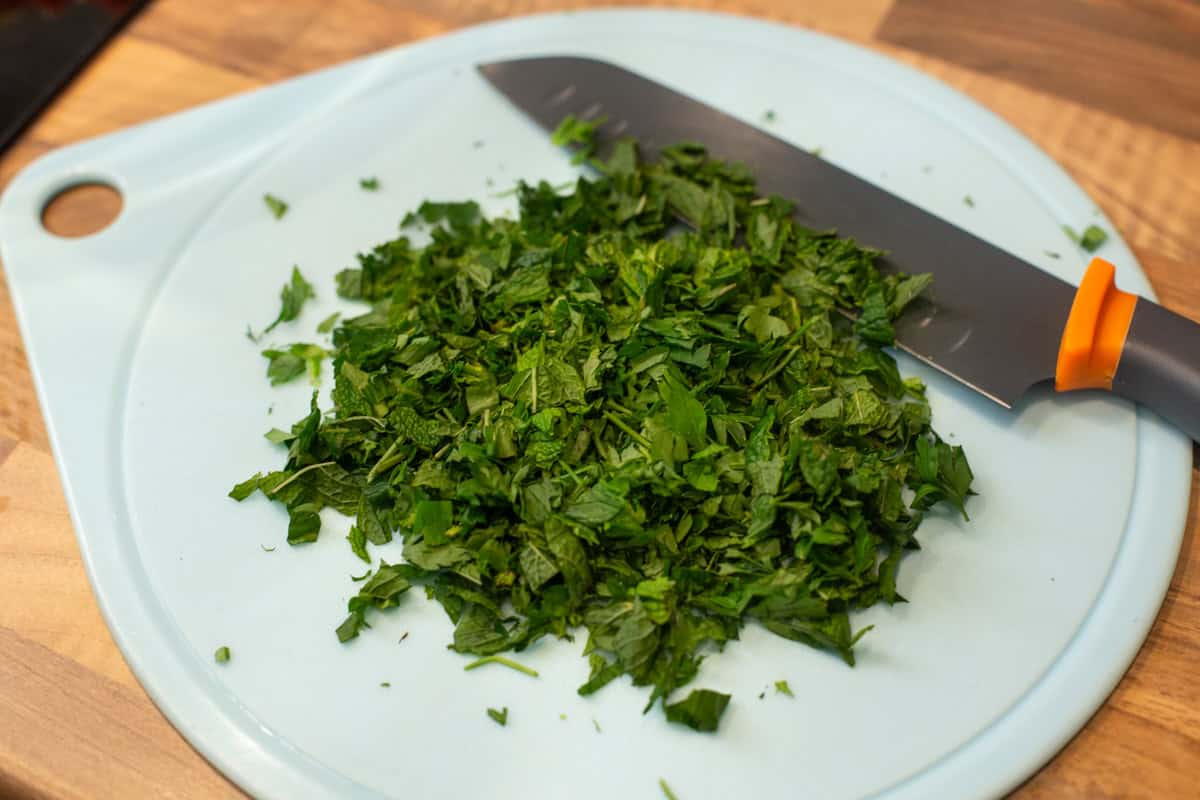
column 585, row 417
column 277, row 206
column 1091, row 239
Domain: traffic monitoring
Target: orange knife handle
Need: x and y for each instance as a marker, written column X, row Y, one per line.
column 1094, row 336
column 1139, row 350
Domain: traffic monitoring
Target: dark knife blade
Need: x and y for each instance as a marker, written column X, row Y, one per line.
column 991, row 321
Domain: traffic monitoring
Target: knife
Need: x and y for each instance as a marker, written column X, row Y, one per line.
column 993, row 322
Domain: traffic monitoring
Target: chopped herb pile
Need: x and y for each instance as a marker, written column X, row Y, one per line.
column 590, row 419
column 277, row 206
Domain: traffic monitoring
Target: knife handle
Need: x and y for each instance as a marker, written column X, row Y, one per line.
column 1138, row 349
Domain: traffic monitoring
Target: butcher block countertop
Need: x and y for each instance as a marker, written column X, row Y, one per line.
column 1109, row 88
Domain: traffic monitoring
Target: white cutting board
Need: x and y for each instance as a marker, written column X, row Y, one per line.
column 1020, row 622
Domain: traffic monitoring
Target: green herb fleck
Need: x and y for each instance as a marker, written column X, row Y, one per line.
column 296, row 360
column 370, row 184
column 386, row 685
column 701, row 710
column 502, row 661
column 292, row 298
column 1053, row 254
column 666, row 790
column 969, row 201
column 327, row 324
column 222, row 655
column 277, row 206
column 1092, row 238
column 781, row 687
column 769, row 115
column 577, row 134
column 500, row 717
column 817, row 151
column 596, row 725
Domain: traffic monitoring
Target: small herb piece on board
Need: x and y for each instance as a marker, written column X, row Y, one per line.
column 781, row 687
column 1091, row 239
column 370, row 184
column 666, row 790
column 277, row 206
column 701, row 710
column 502, row 661
column 326, row 325
column 500, row 717
column 769, row 115
column 578, row 134
column 296, row 360
column 386, row 685
column 222, row 655
column 583, row 420
column 969, row 201
column 292, row 298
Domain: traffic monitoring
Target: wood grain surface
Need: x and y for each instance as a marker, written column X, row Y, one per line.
column 1110, row 88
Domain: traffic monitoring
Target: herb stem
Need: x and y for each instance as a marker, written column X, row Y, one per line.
column 300, row 472
column 778, row 368
column 533, row 390
column 380, row 464
column 637, row 437
column 360, row 418
column 502, row 661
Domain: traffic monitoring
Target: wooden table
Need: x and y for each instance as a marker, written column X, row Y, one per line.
column 1110, row 88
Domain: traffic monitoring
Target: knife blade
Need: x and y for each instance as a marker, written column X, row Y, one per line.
column 991, row 320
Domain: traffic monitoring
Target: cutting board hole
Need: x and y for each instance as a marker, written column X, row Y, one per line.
column 82, row 210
